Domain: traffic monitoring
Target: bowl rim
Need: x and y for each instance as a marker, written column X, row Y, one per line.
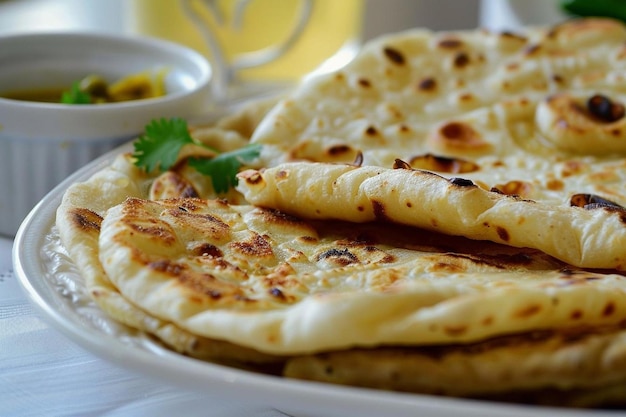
column 139, row 41
column 197, row 95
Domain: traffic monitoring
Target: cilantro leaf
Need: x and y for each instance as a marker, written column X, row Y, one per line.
column 224, row 167
column 158, row 149
column 75, row 95
column 159, row 146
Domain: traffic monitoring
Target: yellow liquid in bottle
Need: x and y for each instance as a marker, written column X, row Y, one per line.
column 333, row 29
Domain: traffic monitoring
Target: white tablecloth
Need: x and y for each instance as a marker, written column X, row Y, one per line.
column 44, row 374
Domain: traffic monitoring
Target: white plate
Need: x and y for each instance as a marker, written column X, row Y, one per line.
column 56, row 289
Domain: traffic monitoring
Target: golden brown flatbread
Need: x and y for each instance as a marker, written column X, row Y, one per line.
column 261, row 279
column 330, row 265
column 591, row 236
column 503, row 101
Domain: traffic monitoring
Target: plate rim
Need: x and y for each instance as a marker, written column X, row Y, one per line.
column 290, row 395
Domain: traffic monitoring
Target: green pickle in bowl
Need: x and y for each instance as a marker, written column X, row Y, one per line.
column 95, row 89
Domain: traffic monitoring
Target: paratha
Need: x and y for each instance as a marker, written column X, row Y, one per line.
column 84, row 205
column 592, row 237
column 502, row 100
column 308, row 278
column 260, row 279
column 263, row 280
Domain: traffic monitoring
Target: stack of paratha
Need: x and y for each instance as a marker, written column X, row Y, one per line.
column 444, row 215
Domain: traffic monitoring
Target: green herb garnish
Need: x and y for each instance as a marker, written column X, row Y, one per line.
column 158, row 149
column 228, row 162
column 159, row 146
column 75, row 95
column 615, row 9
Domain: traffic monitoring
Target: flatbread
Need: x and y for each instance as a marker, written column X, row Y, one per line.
column 471, row 95
column 593, row 237
column 319, row 269
column 538, row 115
column 84, row 205
column 564, row 365
column 270, row 282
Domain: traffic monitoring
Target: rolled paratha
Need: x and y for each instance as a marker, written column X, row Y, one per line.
column 591, row 236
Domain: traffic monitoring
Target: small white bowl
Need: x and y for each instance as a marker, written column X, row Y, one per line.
column 42, row 143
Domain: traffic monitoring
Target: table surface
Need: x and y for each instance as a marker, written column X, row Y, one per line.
column 44, row 374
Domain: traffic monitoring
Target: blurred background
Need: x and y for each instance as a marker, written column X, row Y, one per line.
column 380, row 16
column 331, row 38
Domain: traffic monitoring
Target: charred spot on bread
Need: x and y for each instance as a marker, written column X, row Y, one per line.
column 167, row 266
column 172, row 184
column 427, row 84
column 458, row 136
column 339, row 256
column 154, row 229
column 338, row 150
column 400, row 164
column 86, row 219
column 274, row 216
column 558, row 78
column 379, row 210
column 605, row 109
column 450, row 43
column 514, row 188
column 394, row 55
column 592, row 201
column 528, row 311
column 364, row 82
column 255, row 246
column 371, row 131
column 503, row 233
column 446, row 164
column 461, row 60
column 208, row 249
column 277, row 293
column 462, row 182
